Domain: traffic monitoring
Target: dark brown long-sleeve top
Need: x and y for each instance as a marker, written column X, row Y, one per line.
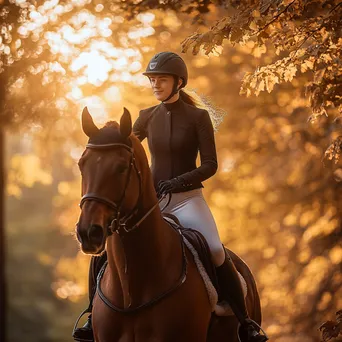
column 175, row 133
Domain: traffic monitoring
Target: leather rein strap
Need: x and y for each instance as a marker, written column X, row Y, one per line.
column 153, row 301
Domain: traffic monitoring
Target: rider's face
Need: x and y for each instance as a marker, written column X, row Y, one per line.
column 161, row 85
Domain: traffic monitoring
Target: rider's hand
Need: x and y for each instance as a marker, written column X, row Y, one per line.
column 167, row 186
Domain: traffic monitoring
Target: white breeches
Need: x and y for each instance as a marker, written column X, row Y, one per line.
column 192, row 211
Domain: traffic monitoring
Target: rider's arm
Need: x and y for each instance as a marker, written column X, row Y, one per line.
column 207, row 149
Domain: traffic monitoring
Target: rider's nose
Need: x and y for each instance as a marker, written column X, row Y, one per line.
column 95, row 234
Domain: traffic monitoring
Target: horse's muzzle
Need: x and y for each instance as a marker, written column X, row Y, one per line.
column 92, row 240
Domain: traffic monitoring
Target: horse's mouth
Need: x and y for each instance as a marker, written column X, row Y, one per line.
column 92, row 249
column 89, row 247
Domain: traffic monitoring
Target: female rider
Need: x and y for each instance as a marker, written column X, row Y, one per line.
column 176, row 130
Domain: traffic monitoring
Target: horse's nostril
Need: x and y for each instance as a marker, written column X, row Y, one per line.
column 77, row 233
column 96, row 233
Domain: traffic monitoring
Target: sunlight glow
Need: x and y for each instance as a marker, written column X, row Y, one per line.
column 228, row 164
column 146, row 18
column 97, row 107
column 76, row 152
column 76, row 93
column 96, row 66
column 79, row 36
column 83, row 54
column 113, row 94
column 65, row 289
column 137, row 33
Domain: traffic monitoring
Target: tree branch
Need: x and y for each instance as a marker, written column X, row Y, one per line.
column 333, row 9
column 276, row 17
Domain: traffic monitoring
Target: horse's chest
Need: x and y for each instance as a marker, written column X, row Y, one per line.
column 130, row 331
column 145, row 328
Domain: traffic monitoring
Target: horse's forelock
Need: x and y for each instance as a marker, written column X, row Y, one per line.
column 112, row 124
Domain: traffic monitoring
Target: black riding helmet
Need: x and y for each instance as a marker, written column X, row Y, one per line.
column 171, row 64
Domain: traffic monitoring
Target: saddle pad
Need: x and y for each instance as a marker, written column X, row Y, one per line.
column 211, row 291
column 199, row 248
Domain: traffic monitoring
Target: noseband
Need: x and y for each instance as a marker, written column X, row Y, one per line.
column 117, row 223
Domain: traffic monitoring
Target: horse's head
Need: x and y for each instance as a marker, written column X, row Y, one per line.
column 111, row 181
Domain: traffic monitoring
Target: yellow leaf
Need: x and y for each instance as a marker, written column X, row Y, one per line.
column 290, row 72
column 259, row 50
column 270, row 81
column 326, row 57
column 253, row 82
column 253, row 26
column 261, row 86
column 256, row 14
column 303, row 67
column 309, row 64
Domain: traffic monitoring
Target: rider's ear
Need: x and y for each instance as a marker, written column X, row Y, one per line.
column 126, row 124
column 88, row 126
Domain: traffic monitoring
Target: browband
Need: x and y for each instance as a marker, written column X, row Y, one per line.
column 104, row 146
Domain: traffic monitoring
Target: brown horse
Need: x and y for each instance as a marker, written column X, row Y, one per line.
column 150, row 289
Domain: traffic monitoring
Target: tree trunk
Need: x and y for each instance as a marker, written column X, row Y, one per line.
column 2, row 238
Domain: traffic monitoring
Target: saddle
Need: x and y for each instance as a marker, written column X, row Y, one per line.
column 199, row 243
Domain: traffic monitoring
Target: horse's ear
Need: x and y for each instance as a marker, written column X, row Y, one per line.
column 88, row 126
column 126, row 124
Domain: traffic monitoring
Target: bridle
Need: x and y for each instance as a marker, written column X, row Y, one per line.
column 120, row 226
column 117, row 223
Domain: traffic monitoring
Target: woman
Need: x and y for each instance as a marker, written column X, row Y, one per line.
column 176, row 130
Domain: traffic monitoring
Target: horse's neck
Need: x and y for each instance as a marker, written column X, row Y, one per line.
column 145, row 262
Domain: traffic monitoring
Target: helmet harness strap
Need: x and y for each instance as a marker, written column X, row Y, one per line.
column 175, row 89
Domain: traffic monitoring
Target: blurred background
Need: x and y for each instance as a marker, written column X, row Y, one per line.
column 276, row 204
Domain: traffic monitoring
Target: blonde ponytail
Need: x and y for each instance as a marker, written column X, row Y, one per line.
column 192, row 98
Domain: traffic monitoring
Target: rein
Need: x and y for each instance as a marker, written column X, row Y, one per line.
column 119, row 225
column 153, row 301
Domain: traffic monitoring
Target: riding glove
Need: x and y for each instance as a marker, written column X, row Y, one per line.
column 167, row 186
